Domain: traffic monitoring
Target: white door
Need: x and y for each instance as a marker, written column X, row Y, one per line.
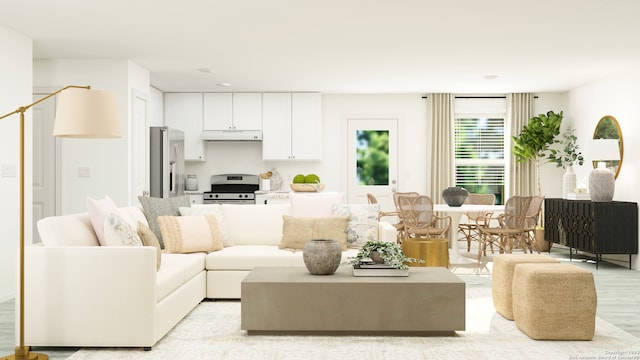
column 372, row 160
column 44, row 162
column 138, row 142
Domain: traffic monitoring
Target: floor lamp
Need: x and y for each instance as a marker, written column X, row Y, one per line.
column 80, row 113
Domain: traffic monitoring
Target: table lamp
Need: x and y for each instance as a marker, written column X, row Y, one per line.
column 601, row 179
column 80, row 113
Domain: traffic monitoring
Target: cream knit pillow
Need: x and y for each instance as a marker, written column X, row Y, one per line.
column 188, row 234
column 296, row 231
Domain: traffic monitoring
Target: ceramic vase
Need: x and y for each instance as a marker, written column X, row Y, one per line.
column 322, row 257
column 601, row 184
column 191, row 183
column 568, row 182
column 455, row 196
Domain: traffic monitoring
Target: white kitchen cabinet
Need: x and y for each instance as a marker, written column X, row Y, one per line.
column 292, row 126
column 276, row 126
column 232, row 111
column 183, row 111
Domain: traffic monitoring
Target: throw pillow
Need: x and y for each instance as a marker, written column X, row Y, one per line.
column 98, row 210
column 154, row 207
column 149, row 239
column 313, row 204
column 118, row 232
column 187, row 234
column 363, row 222
column 297, row 231
column 216, row 211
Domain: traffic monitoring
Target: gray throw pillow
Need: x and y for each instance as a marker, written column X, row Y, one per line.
column 154, row 207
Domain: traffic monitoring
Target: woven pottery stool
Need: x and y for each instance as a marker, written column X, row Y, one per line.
column 502, row 278
column 554, row 301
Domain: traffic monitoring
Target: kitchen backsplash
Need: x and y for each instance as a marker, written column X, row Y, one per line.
column 244, row 157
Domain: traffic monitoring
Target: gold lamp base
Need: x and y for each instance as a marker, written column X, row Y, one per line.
column 23, row 353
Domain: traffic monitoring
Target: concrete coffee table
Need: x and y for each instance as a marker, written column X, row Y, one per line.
column 276, row 300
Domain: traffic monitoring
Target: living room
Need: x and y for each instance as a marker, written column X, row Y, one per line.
column 614, row 91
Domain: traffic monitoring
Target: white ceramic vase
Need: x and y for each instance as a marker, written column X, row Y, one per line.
column 601, row 183
column 568, row 182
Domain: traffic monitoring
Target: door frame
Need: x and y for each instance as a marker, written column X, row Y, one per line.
column 55, row 146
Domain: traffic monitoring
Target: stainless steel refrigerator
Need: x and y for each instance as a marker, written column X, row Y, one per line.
column 166, row 157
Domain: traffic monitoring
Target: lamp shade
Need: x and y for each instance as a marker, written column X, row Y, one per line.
column 606, row 149
column 83, row 113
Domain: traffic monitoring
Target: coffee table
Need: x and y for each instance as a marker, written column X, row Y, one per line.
column 277, row 300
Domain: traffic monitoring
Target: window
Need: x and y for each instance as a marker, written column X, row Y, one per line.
column 373, row 157
column 479, row 138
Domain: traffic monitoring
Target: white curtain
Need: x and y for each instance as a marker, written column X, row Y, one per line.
column 522, row 175
column 442, row 157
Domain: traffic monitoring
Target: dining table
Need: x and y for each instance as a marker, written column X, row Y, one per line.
column 455, row 212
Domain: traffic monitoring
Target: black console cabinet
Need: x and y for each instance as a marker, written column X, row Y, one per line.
column 593, row 227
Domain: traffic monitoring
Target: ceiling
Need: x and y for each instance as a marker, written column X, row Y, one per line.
column 343, row 46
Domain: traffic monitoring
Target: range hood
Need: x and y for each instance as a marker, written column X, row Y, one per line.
column 227, row 135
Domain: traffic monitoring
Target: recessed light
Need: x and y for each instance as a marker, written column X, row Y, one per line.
column 490, row 77
column 206, row 70
column 224, row 84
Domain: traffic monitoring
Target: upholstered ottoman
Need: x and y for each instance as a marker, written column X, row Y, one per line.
column 554, row 301
column 502, row 278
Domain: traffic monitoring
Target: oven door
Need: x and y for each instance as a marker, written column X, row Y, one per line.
column 228, row 201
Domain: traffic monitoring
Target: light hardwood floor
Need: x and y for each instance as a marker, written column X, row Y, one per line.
column 617, row 289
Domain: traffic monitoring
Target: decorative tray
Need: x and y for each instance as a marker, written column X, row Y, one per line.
column 307, row 187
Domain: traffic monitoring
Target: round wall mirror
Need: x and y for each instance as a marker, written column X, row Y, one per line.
column 608, row 128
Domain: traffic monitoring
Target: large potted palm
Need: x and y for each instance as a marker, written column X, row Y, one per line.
column 532, row 144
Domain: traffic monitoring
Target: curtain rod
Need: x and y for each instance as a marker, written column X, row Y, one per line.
column 480, row 97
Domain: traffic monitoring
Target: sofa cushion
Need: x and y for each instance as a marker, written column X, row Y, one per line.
column 215, row 210
column 246, row 257
column 176, row 270
column 118, row 232
column 154, row 207
column 187, row 234
column 363, row 222
column 297, row 231
column 54, row 230
column 314, row 204
column 255, row 224
column 98, row 212
column 148, row 238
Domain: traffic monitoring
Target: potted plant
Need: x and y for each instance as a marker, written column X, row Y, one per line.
column 567, row 156
column 535, row 139
column 532, row 145
column 389, row 253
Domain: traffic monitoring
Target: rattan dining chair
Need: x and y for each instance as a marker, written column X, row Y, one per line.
column 419, row 219
column 469, row 229
column 532, row 218
column 512, row 229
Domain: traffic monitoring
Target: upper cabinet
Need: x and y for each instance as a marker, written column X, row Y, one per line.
column 289, row 124
column 183, row 111
column 292, row 126
column 232, row 111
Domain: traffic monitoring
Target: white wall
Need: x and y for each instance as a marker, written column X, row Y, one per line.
column 107, row 159
column 617, row 96
column 15, row 91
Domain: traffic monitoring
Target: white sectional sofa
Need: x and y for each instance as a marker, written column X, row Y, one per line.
column 78, row 293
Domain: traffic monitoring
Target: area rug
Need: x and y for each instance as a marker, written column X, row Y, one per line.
column 212, row 331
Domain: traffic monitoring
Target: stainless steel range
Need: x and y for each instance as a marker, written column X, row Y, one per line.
column 232, row 189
